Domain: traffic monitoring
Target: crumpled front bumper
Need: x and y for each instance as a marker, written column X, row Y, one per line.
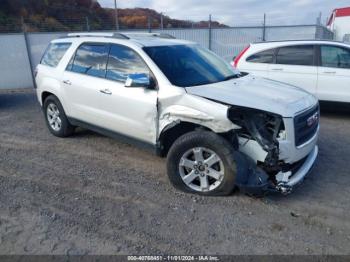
column 253, row 180
column 287, row 181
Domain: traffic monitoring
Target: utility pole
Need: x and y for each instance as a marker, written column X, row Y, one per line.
column 116, row 15
column 264, row 29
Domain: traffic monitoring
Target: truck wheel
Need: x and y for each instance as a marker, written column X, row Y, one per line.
column 202, row 162
column 56, row 119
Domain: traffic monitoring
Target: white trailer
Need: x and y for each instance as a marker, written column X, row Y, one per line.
column 339, row 23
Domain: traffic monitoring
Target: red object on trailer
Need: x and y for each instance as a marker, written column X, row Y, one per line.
column 343, row 12
column 236, row 60
column 339, row 12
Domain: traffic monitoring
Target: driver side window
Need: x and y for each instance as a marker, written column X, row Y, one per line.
column 122, row 62
column 333, row 56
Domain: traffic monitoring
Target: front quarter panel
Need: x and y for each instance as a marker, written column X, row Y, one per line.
column 176, row 106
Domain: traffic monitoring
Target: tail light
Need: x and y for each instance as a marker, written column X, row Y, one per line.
column 237, row 58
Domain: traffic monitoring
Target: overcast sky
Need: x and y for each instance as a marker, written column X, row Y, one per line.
column 243, row 12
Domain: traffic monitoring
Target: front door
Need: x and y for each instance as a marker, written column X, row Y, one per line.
column 295, row 65
column 98, row 96
column 334, row 74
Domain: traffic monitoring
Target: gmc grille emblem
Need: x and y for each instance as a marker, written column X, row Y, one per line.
column 312, row 120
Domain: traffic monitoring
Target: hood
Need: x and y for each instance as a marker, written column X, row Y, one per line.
column 259, row 93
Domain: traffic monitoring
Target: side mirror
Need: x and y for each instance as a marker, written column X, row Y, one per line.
column 138, row 80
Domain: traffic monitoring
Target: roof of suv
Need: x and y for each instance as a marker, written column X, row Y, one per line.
column 141, row 39
column 293, row 42
column 261, row 46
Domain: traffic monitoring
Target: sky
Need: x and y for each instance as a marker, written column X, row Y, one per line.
column 243, row 12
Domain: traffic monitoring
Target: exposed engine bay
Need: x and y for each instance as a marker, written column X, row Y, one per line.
column 264, row 128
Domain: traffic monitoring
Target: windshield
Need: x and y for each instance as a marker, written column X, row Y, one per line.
column 190, row 65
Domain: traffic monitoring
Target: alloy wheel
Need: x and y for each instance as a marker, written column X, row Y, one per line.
column 53, row 117
column 201, row 169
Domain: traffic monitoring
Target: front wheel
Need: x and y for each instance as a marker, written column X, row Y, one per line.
column 202, row 162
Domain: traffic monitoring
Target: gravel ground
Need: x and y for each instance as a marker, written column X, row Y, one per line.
column 89, row 194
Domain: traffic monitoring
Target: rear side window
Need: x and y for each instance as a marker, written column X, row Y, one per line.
column 333, row 56
column 54, row 54
column 90, row 59
column 124, row 61
column 265, row 57
column 296, row 55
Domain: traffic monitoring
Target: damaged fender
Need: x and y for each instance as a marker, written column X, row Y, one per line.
column 202, row 112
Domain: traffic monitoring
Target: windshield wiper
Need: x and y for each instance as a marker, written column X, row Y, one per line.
column 232, row 77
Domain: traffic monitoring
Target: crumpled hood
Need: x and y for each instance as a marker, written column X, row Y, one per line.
column 259, row 93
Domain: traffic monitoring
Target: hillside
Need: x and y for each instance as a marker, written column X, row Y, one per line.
column 73, row 15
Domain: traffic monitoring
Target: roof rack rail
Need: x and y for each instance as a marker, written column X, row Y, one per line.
column 84, row 34
column 126, row 35
column 296, row 40
column 142, row 34
column 164, row 35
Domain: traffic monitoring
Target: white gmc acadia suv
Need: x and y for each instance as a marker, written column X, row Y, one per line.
column 219, row 129
column 320, row 67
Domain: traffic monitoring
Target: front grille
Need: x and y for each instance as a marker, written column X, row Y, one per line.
column 306, row 125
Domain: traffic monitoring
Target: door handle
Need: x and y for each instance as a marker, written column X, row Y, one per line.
column 330, row 72
column 277, row 69
column 67, row 82
column 106, row 91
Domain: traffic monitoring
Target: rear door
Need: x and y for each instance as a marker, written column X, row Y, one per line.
column 295, row 65
column 257, row 63
column 83, row 80
column 334, row 74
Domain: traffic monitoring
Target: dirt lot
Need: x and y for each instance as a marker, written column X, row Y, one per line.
column 90, row 194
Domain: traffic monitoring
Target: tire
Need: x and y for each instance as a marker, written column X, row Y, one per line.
column 218, row 159
column 57, row 121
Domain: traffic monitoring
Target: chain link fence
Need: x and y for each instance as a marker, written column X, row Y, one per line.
column 22, row 51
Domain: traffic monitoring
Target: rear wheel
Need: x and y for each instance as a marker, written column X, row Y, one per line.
column 56, row 119
column 202, row 162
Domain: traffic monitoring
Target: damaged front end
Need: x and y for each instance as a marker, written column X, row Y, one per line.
column 259, row 150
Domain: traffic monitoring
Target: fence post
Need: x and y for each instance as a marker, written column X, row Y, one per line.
column 116, row 15
column 264, row 29
column 319, row 19
column 320, row 32
column 149, row 24
column 26, row 42
column 87, row 24
column 209, row 27
column 161, row 21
